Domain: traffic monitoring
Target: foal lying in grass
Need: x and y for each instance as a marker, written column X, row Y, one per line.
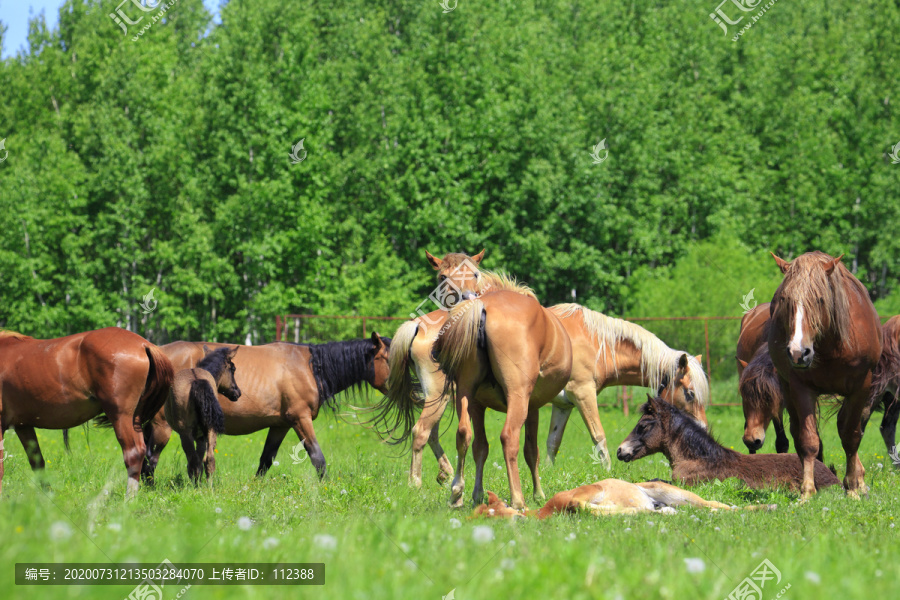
column 696, row 456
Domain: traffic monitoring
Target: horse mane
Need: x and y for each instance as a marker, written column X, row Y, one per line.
column 13, row 335
column 692, row 438
column 806, row 282
column 215, row 362
column 491, row 281
column 338, row 366
column 759, row 381
column 658, row 360
column 887, row 371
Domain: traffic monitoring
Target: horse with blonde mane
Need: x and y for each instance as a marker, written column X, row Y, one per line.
column 825, row 338
column 608, row 351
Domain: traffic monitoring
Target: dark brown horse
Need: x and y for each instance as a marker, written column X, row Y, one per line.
column 825, row 338
column 64, row 382
column 763, row 402
column 696, row 456
column 885, row 392
column 517, row 356
column 283, row 387
column 193, row 411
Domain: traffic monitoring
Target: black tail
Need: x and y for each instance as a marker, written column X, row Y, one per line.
column 203, row 398
column 66, row 440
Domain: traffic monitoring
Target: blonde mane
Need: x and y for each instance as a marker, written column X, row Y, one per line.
column 500, row 281
column 9, row 334
column 657, row 359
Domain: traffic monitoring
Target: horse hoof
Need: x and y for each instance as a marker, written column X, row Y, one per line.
column 415, row 482
column 443, row 477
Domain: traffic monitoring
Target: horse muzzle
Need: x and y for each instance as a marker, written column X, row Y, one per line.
column 625, row 453
column 802, row 357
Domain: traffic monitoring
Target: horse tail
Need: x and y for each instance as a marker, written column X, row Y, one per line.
column 458, row 340
column 203, row 398
column 156, row 390
column 397, row 410
column 887, row 372
column 66, row 440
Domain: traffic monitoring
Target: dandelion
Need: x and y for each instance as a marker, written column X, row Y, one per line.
column 405, row 547
column 694, row 565
column 325, row 541
column 275, row 463
column 482, row 534
column 269, row 543
column 60, row 530
column 570, row 537
column 218, row 510
column 244, row 523
column 813, row 577
column 343, row 492
column 114, row 527
column 507, row 564
column 455, row 523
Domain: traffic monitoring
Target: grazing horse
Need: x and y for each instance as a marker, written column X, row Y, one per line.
column 608, row 351
column 885, row 391
column 64, row 382
column 411, row 354
column 754, row 333
column 611, row 497
column 283, row 387
column 193, row 410
column 825, row 338
column 506, row 352
column 762, row 401
column 696, row 456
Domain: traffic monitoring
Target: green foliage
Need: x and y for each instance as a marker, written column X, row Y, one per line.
column 164, row 162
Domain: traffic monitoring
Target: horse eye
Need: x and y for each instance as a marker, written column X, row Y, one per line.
column 442, row 278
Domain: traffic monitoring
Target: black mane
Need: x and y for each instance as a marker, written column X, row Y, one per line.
column 338, row 366
column 691, row 436
column 215, row 362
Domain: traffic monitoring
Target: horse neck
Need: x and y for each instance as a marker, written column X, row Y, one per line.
column 334, row 372
column 623, row 365
column 679, row 449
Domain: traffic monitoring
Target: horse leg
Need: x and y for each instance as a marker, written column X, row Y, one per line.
column 463, row 439
column 305, row 430
column 156, row 436
column 193, row 457
column 516, row 415
column 802, row 412
column 479, row 450
column 29, row 440
column 585, row 397
column 562, row 410
column 422, row 433
column 850, row 430
column 205, row 449
column 131, row 439
column 889, row 425
column 270, row 448
column 532, row 422
column 446, row 469
column 2, row 458
column 782, row 444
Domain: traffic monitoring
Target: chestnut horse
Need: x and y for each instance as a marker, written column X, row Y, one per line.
column 885, row 390
column 283, row 387
column 517, row 356
column 763, row 402
column 825, row 338
column 193, row 411
column 696, row 456
column 608, row 351
column 64, row 382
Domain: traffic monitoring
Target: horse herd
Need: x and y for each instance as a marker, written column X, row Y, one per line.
column 497, row 347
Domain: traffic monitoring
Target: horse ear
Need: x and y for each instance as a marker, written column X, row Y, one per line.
column 478, row 257
column 376, row 339
column 206, row 350
column 782, row 264
column 231, row 352
column 744, row 363
column 831, row 264
column 433, row 260
column 683, row 361
column 699, row 358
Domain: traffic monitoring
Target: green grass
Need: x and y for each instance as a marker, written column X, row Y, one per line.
column 397, row 542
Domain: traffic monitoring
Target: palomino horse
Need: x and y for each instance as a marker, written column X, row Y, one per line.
column 696, row 456
column 517, row 356
column 64, row 382
column 825, row 338
column 885, row 390
column 411, row 351
column 283, row 387
column 193, row 410
column 762, row 401
column 608, row 351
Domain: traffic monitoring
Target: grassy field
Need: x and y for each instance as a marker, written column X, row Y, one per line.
column 381, row 539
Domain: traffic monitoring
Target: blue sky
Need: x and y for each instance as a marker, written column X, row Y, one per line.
column 15, row 14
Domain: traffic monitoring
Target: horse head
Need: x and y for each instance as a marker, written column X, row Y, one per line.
column 381, row 369
column 220, row 364
column 458, row 277
column 649, row 435
column 681, row 389
column 760, row 397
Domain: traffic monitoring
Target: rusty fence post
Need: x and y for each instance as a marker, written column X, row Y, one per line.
column 277, row 328
column 706, row 336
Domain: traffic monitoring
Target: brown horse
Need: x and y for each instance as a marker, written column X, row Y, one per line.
column 754, row 333
column 885, row 391
column 517, row 356
column 411, row 354
column 608, row 351
column 283, row 387
column 696, row 456
column 193, row 410
column 763, row 402
column 825, row 338
column 64, row 382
